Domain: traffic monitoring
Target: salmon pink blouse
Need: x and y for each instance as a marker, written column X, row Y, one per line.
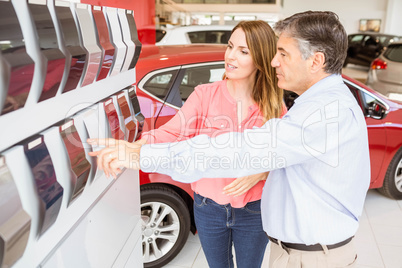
column 211, row 110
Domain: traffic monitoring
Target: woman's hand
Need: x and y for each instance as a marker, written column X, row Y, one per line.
column 116, row 155
column 241, row 185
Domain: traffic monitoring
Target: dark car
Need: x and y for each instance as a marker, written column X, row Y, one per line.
column 166, row 76
column 363, row 48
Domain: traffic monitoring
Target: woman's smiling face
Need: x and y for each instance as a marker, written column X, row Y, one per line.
column 238, row 61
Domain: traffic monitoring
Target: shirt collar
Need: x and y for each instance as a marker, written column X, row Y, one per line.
column 320, row 87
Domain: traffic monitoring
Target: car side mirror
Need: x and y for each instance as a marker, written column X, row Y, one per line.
column 376, row 110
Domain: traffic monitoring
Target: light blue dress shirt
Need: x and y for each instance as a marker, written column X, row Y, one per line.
column 318, row 157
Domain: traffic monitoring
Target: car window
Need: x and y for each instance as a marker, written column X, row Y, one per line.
column 160, row 83
column 391, row 40
column 220, row 37
column 356, row 93
column 394, row 53
column 370, row 41
column 370, row 105
column 195, row 76
column 356, row 39
column 383, row 40
column 159, row 35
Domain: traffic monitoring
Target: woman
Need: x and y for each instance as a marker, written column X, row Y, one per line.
column 227, row 210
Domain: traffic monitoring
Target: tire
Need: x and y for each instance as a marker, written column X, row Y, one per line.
column 392, row 185
column 165, row 224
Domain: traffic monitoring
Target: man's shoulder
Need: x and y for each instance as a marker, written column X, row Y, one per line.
column 330, row 100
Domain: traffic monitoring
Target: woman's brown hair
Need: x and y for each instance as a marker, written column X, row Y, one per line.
column 261, row 41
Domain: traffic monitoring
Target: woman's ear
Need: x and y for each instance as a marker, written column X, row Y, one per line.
column 318, row 62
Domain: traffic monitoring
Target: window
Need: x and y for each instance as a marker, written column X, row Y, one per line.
column 220, row 37
column 159, row 35
column 392, row 40
column 370, row 41
column 356, row 38
column 199, row 75
column 357, row 93
column 159, row 84
column 394, row 53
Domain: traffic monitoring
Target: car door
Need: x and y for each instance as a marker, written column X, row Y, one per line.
column 168, row 89
column 370, row 49
column 188, row 77
column 153, row 91
column 354, row 48
column 375, row 128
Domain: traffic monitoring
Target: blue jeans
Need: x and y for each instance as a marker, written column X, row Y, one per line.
column 220, row 226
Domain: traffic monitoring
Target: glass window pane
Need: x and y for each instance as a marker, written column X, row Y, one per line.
column 357, row 38
column 220, row 37
column 394, row 53
column 200, row 75
column 160, row 83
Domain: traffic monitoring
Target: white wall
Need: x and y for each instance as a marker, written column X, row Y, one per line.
column 350, row 12
column 394, row 18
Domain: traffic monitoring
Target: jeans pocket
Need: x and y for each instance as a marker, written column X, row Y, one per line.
column 199, row 200
column 253, row 207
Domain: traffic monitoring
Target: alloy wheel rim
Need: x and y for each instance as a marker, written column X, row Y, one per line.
column 398, row 176
column 160, row 230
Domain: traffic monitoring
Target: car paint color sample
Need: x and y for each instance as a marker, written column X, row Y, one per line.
column 134, row 37
column 17, row 65
column 75, row 54
column 125, row 29
column 135, row 109
column 129, row 121
column 88, row 34
column 49, row 191
column 108, row 50
column 80, row 167
column 113, row 120
column 116, row 38
column 47, row 39
column 15, row 223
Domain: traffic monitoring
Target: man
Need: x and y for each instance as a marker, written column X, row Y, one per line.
column 317, row 154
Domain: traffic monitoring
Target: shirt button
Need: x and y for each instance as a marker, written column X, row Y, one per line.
column 239, row 126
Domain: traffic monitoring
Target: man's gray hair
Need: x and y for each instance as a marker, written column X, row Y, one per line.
column 318, row 31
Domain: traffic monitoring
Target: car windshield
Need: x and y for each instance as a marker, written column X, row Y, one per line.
column 394, row 53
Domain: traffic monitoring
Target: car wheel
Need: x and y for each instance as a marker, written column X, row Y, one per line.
column 392, row 186
column 165, row 224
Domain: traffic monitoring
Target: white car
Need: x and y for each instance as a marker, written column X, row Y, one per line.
column 218, row 34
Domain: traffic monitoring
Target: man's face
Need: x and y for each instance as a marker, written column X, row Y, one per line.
column 292, row 70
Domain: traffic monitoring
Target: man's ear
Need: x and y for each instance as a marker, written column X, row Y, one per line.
column 318, row 62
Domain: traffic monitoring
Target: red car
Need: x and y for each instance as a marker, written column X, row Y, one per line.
column 166, row 75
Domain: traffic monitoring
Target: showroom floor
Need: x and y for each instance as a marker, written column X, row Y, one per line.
column 378, row 240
